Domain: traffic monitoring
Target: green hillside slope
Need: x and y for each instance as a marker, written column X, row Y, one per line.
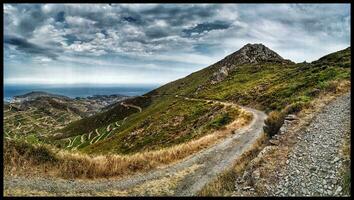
column 254, row 76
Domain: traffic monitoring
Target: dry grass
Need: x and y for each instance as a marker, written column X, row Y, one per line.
column 338, row 89
column 10, row 192
column 345, row 171
column 78, row 165
column 161, row 187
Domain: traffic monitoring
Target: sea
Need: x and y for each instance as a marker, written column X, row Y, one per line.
column 73, row 91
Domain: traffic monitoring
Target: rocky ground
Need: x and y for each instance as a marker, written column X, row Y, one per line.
column 313, row 165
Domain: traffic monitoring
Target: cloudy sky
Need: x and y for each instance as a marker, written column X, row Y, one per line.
column 149, row 43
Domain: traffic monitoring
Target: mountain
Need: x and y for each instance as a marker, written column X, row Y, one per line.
column 254, row 76
column 254, row 53
column 35, row 94
column 248, row 54
column 268, row 85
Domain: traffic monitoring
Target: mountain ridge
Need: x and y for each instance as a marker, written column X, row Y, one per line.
column 268, row 85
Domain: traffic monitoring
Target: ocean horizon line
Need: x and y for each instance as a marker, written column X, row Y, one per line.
column 78, row 90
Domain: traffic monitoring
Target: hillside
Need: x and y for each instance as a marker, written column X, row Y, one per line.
column 253, row 76
column 268, row 84
column 35, row 94
column 188, row 137
column 37, row 115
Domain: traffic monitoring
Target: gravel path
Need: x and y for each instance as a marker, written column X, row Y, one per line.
column 314, row 164
column 212, row 161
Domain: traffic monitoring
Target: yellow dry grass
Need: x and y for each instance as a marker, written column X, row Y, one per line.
column 79, row 165
column 161, row 187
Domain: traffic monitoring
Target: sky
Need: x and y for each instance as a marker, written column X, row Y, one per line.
column 157, row 43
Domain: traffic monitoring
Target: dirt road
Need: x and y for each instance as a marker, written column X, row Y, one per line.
column 174, row 179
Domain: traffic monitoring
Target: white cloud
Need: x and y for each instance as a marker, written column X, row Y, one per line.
column 126, row 39
column 79, row 21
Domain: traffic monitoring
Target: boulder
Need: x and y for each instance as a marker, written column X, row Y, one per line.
column 291, row 117
column 256, row 175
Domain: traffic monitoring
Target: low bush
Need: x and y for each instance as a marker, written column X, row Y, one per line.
column 295, row 107
column 221, row 121
column 18, row 152
column 273, row 123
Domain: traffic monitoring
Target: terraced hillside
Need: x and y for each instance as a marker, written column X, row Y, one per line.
column 167, row 121
column 36, row 116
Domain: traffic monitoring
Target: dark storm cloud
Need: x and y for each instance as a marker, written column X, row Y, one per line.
column 180, row 14
column 130, row 19
column 60, row 17
column 200, row 28
column 29, row 18
column 27, row 47
column 146, row 30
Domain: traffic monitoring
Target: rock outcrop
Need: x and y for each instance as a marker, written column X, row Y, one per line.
column 248, row 54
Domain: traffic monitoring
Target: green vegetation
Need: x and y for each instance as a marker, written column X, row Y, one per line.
column 169, row 123
column 346, row 168
column 166, row 122
column 117, row 113
column 168, row 119
column 275, row 86
column 35, row 120
column 347, row 181
column 267, row 86
column 220, row 121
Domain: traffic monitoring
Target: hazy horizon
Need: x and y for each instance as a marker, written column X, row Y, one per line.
column 117, row 44
column 77, row 90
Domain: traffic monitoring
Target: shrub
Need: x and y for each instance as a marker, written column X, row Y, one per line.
column 273, row 123
column 332, row 86
column 18, row 152
column 295, row 107
column 314, row 92
column 221, row 121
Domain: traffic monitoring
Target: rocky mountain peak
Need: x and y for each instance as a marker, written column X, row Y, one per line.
column 254, row 53
column 248, row 54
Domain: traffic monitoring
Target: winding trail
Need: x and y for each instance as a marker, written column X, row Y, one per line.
column 89, row 136
column 211, row 162
column 131, row 105
column 98, row 133
column 108, row 129
column 72, row 143
column 99, row 138
column 125, row 118
column 69, row 142
column 94, row 138
column 116, row 123
column 82, row 142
